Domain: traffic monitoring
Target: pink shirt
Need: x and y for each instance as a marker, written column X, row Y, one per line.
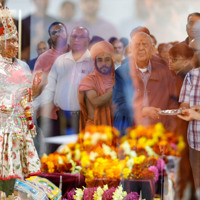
column 44, row 64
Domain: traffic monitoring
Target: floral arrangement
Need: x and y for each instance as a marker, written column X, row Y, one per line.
column 101, row 193
column 143, row 168
column 59, row 163
column 152, row 140
column 132, row 196
column 98, row 135
column 104, row 161
column 103, row 170
column 137, row 156
column 83, row 158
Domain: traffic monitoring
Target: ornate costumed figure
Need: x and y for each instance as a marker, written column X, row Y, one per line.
column 18, row 156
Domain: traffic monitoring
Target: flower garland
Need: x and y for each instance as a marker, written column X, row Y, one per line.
column 57, row 163
column 98, row 135
column 151, row 140
column 98, row 193
column 28, row 113
column 136, row 158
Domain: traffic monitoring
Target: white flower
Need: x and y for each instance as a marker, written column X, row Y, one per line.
column 133, row 154
column 105, row 187
column 98, row 194
column 77, row 154
column 113, row 155
column 93, row 155
column 108, row 152
column 130, row 163
column 79, row 194
column 77, row 169
column 126, row 147
column 69, row 156
column 106, row 149
column 95, row 138
column 74, row 169
column 63, row 149
column 60, row 160
column 150, row 151
column 86, row 135
column 119, row 194
column 104, row 137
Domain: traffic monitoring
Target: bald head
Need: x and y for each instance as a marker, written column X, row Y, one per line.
column 139, row 29
column 141, row 36
column 42, row 47
column 141, row 48
column 79, row 39
column 81, row 29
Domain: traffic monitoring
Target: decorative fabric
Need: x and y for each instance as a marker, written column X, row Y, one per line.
column 18, row 156
column 31, row 189
column 69, row 181
column 9, row 29
column 53, row 192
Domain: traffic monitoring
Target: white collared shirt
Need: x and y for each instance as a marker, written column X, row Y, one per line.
column 63, row 81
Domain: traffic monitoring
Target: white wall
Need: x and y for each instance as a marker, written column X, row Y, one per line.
column 118, row 11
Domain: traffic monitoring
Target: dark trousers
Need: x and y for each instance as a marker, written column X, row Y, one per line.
column 72, row 121
column 67, row 123
column 195, row 165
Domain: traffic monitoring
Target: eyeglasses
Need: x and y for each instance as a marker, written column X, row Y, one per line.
column 118, row 47
column 78, row 37
column 61, row 30
column 175, row 59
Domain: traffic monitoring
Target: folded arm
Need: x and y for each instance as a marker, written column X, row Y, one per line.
column 96, row 100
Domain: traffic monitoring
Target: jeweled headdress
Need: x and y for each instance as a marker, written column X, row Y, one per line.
column 8, row 28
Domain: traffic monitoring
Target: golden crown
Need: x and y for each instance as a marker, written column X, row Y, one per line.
column 9, row 29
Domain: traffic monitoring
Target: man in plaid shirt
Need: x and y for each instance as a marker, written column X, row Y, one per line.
column 190, row 96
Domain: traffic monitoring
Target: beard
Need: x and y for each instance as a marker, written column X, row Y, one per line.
column 105, row 70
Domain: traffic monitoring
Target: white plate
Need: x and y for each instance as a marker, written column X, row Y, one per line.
column 170, row 112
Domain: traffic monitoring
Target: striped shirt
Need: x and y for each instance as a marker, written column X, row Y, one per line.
column 190, row 93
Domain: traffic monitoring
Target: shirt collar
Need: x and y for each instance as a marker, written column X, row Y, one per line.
column 148, row 67
column 85, row 57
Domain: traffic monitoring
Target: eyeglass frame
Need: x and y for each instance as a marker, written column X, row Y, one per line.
column 175, row 59
column 78, row 37
column 60, row 30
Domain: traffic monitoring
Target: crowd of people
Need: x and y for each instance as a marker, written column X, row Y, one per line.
column 122, row 85
column 79, row 81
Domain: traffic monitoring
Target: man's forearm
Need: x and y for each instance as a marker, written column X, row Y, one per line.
column 98, row 101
